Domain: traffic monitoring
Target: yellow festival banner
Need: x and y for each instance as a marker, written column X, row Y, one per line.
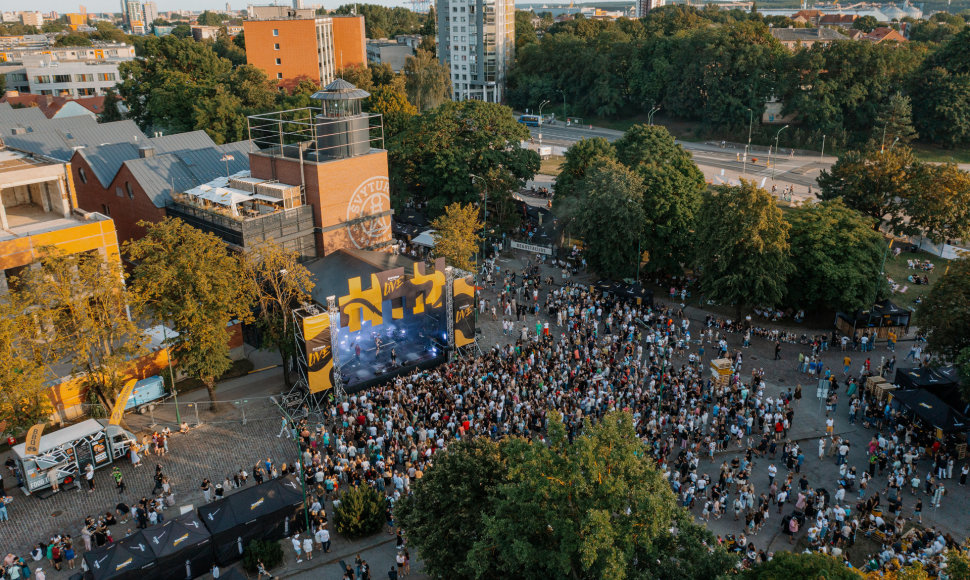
column 118, row 411
column 319, row 354
column 32, row 446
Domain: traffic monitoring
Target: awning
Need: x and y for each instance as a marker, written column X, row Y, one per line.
column 424, row 239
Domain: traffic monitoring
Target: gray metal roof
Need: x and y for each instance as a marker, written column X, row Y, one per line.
column 185, row 169
column 340, row 90
column 106, row 160
column 59, row 138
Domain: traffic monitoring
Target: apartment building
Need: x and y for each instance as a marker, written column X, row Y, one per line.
column 74, row 71
column 476, row 40
column 289, row 46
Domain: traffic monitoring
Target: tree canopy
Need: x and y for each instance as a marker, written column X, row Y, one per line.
column 611, row 207
column 456, row 235
column 838, row 259
column 873, row 182
column 189, row 279
column 427, row 81
column 742, row 248
column 944, row 313
column 182, row 85
column 596, row 507
column 431, row 160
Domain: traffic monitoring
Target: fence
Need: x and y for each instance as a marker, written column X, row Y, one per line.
column 167, row 414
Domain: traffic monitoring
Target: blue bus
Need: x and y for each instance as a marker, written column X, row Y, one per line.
column 530, row 120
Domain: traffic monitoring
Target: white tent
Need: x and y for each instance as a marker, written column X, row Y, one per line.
column 424, row 239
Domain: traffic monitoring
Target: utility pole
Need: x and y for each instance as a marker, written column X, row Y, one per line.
column 747, row 148
column 778, row 134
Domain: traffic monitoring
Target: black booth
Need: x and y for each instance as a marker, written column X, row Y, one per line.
column 944, row 382
column 127, row 559
column 931, row 409
column 182, row 547
column 186, row 546
column 262, row 512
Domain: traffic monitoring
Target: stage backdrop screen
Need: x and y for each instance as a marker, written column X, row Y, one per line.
column 319, row 354
column 391, row 322
column 464, row 304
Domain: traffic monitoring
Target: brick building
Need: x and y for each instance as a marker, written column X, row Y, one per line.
column 292, row 48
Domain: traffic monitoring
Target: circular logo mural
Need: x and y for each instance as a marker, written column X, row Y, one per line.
column 371, row 197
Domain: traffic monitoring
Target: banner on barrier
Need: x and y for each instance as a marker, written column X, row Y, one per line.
column 319, row 352
column 532, row 248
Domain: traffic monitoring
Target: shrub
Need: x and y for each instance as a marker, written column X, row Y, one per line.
column 269, row 552
column 360, row 512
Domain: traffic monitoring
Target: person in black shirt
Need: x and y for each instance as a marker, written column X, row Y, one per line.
column 123, row 510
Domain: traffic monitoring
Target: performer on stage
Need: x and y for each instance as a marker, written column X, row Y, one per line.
column 377, row 344
column 393, row 357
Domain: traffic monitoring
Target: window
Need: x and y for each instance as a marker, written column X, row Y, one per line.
column 131, row 194
column 42, row 80
column 84, row 78
column 62, row 78
column 276, row 46
column 279, row 76
column 83, row 175
column 279, row 61
column 118, row 192
column 276, row 32
column 105, row 209
column 88, row 92
column 107, row 76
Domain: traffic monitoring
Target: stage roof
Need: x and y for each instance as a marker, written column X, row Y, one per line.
column 330, row 273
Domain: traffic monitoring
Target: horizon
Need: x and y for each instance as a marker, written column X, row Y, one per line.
column 113, row 6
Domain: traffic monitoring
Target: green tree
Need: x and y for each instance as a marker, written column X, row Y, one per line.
column 229, row 50
column 108, row 32
column 939, row 207
column 394, row 107
column 449, row 506
column 23, row 368
column 941, row 93
column 281, row 283
column 73, row 39
column 593, row 508
column 673, row 190
column 896, row 120
column 839, row 257
column 612, row 218
column 189, row 279
column 181, row 85
column 81, row 303
column 431, row 159
column 427, row 81
column 808, row 566
column 742, row 248
column 358, row 75
column 456, row 236
column 525, row 33
column 945, row 312
column 384, row 21
column 865, row 23
column 109, row 110
column 360, row 512
column 578, row 159
column 873, row 182
column 182, row 30
column 211, row 18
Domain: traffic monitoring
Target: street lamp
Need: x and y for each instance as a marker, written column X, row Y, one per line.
column 484, row 222
column 778, row 134
column 651, row 113
column 565, row 119
column 171, row 373
column 542, row 104
column 822, row 154
column 896, row 140
column 747, row 148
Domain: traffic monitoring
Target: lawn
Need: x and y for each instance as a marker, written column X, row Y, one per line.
column 551, row 166
column 897, row 270
column 940, row 155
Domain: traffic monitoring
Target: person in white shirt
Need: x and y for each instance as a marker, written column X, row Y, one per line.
column 308, row 547
column 297, row 547
column 323, row 538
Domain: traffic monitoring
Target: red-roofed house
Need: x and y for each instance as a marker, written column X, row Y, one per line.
column 56, row 107
column 843, row 20
column 884, row 34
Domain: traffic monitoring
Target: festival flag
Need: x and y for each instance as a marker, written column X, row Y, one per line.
column 118, row 411
column 32, row 446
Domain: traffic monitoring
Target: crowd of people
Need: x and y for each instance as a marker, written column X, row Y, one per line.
column 594, row 354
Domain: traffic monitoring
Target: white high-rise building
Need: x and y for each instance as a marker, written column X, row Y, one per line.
column 476, row 39
column 151, row 13
column 644, row 6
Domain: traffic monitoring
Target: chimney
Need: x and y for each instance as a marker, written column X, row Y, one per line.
column 146, row 151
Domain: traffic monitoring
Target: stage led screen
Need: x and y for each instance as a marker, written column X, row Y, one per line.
column 390, row 323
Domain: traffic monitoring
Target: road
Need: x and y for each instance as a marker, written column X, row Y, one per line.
column 720, row 165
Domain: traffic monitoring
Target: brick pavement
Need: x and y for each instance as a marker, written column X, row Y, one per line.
column 212, row 450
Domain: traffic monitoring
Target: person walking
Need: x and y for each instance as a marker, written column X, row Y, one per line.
column 119, row 479
column 938, row 495
column 89, row 477
column 308, row 547
column 297, row 547
column 206, row 488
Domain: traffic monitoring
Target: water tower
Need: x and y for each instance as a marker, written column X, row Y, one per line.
column 342, row 130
